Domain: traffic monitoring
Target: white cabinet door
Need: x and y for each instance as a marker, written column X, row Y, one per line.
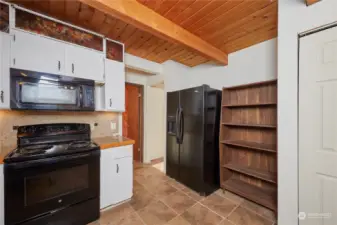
column 4, row 70
column 116, row 175
column 123, row 179
column 37, row 53
column 114, row 86
column 84, row 63
column 2, row 200
column 107, row 178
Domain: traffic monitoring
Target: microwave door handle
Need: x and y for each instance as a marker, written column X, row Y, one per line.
column 81, row 96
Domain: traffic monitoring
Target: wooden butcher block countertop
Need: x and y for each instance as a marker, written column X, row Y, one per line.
column 103, row 142
column 110, row 141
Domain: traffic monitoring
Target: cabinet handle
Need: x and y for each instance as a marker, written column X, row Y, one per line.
column 59, row 65
column 72, row 67
column 110, row 102
column 2, row 96
column 117, row 168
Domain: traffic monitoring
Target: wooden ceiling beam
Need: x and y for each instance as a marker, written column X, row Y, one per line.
column 310, row 2
column 140, row 16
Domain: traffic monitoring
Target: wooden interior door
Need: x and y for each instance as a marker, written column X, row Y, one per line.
column 132, row 118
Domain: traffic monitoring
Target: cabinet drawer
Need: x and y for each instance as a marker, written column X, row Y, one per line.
column 121, row 152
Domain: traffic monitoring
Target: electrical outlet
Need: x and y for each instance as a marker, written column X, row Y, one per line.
column 113, row 125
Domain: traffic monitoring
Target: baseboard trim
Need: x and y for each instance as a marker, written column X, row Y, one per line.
column 157, row 160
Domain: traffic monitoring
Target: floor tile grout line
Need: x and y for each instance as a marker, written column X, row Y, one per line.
column 229, row 198
column 182, row 212
column 212, row 210
column 253, row 211
column 235, row 208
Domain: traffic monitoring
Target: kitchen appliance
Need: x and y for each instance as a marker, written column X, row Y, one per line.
column 53, row 176
column 192, row 144
column 41, row 91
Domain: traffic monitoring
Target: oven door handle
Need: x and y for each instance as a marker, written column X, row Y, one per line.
column 56, row 159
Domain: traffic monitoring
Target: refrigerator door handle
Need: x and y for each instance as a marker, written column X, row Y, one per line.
column 181, row 121
column 177, row 125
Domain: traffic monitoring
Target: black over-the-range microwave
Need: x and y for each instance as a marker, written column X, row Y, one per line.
column 31, row 90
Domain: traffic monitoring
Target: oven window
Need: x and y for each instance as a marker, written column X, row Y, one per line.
column 55, row 183
column 44, row 93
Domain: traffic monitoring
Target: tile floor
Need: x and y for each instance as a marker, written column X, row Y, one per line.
column 160, row 200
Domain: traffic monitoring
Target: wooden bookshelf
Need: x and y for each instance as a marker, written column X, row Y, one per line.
column 265, row 197
column 252, row 145
column 250, row 105
column 248, row 142
column 250, row 125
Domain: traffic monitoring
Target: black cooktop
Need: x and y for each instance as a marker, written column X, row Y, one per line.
column 38, row 151
column 51, row 140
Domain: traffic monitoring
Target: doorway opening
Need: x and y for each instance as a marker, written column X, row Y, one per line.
column 133, row 118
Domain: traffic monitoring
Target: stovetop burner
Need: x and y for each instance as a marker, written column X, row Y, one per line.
column 34, row 149
column 51, row 140
column 79, row 144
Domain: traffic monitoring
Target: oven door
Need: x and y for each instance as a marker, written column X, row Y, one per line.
column 39, row 91
column 38, row 187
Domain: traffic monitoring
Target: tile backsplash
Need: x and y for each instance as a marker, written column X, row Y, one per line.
column 8, row 119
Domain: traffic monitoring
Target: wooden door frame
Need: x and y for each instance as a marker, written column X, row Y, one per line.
column 141, row 118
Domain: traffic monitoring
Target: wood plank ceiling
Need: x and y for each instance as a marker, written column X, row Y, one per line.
column 229, row 25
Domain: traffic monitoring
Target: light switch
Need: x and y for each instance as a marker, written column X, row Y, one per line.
column 113, row 125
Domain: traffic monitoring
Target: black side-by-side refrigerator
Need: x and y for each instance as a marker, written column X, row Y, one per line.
column 192, row 143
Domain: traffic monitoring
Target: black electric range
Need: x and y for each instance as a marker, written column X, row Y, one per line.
column 53, row 176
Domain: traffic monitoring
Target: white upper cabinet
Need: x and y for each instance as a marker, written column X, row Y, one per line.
column 114, row 86
column 37, row 53
column 4, row 70
column 84, row 63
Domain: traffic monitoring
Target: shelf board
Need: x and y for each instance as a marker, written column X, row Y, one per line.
column 257, row 84
column 250, row 105
column 257, row 173
column 256, row 194
column 252, row 145
column 250, row 125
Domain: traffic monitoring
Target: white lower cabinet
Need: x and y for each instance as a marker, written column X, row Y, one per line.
column 116, row 175
column 2, row 196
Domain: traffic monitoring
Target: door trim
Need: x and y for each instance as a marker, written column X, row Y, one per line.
column 141, row 118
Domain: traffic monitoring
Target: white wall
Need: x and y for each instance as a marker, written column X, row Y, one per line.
column 294, row 17
column 253, row 64
column 156, row 121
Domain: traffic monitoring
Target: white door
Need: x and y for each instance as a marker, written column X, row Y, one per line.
column 84, row 63
column 4, row 70
column 123, row 171
column 37, row 53
column 114, row 86
column 318, row 128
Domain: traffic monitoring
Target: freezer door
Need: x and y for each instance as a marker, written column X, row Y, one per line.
column 191, row 148
column 172, row 146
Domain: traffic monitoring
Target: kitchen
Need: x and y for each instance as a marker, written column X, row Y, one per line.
column 62, row 95
column 224, row 126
